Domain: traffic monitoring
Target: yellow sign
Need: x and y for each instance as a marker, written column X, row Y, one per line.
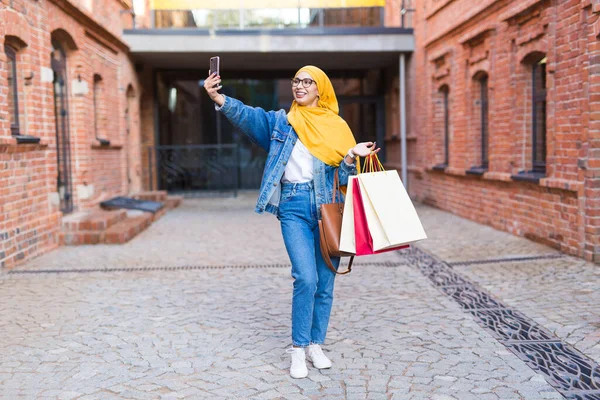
column 256, row 4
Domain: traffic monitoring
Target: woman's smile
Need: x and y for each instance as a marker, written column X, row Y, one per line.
column 300, row 93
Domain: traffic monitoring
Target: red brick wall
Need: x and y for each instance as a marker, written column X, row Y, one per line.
column 457, row 41
column 589, row 153
column 29, row 214
column 108, row 13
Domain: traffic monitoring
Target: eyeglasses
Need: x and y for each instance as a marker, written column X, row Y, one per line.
column 306, row 82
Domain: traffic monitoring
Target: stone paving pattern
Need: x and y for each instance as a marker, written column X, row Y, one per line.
column 560, row 294
column 222, row 333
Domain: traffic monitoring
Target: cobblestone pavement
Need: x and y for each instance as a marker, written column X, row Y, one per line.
column 221, row 333
column 560, row 294
column 199, row 232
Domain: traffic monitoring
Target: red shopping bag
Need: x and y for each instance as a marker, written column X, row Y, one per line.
column 364, row 241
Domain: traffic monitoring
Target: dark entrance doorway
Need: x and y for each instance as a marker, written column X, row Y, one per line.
column 63, row 145
column 366, row 117
column 199, row 150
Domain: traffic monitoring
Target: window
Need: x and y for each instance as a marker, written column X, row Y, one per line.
column 539, row 116
column 483, row 83
column 441, row 128
column 99, row 111
column 445, row 91
column 13, row 91
column 96, row 100
column 480, row 124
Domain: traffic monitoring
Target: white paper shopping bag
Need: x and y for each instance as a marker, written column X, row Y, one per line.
column 391, row 215
column 347, row 238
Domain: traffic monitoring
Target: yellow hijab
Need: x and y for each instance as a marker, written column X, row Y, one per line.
column 324, row 133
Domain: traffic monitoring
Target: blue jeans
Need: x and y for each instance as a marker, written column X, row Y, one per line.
column 313, row 280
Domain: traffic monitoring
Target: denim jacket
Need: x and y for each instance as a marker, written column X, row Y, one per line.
column 271, row 131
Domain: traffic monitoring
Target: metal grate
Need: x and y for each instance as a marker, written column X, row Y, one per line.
column 584, row 396
column 194, row 168
column 510, row 326
column 176, row 268
column 565, row 367
column 470, row 298
column 506, row 259
column 570, row 372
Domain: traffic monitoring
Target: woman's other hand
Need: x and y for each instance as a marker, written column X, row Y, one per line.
column 365, row 148
column 212, row 85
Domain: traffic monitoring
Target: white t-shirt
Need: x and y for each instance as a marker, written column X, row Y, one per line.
column 300, row 165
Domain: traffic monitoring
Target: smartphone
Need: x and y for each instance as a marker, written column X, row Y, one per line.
column 215, row 65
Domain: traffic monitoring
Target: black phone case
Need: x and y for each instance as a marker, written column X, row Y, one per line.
column 214, row 65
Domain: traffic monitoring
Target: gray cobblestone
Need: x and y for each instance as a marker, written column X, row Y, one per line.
column 222, row 333
column 559, row 294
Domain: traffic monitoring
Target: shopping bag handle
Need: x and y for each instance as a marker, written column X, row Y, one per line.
column 372, row 164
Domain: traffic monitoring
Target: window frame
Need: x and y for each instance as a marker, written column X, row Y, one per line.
column 446, row 93
column 11, row 54
column 97, row 100
column 484, row 116
column 95, row 89
column 539, row 98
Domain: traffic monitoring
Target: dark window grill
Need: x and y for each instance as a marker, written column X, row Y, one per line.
column 484, row 122
column 446, row 93
column 539, row 116
column 13, row 90
column 63, row 146
column 96, row 101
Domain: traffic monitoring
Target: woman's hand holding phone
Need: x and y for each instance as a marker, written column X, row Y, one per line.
column 365, row 148
column 212, row 85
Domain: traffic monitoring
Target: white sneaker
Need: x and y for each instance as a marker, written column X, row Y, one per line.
column 319, row 360
column 298, row 368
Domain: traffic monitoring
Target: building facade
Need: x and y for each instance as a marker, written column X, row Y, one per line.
column 189, row 148
column 104, row 98
column 497, row 108
column 69, row 117
column 508, row 128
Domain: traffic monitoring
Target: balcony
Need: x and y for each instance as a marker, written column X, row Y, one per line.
column 263, row 35
column 244, row 15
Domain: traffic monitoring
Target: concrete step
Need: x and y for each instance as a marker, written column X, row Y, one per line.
column 92, row 221
column 126, row 230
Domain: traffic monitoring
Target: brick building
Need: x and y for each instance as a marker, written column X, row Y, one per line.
column 508, row 128
column 69, row 117
column 102, row 98
column 502, row 97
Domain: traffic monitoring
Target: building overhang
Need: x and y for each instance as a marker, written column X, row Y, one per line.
column 362, row 48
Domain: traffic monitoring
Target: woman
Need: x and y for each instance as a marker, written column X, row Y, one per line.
column 305, row 148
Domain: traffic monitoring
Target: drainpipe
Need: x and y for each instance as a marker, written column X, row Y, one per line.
column 403, row 119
